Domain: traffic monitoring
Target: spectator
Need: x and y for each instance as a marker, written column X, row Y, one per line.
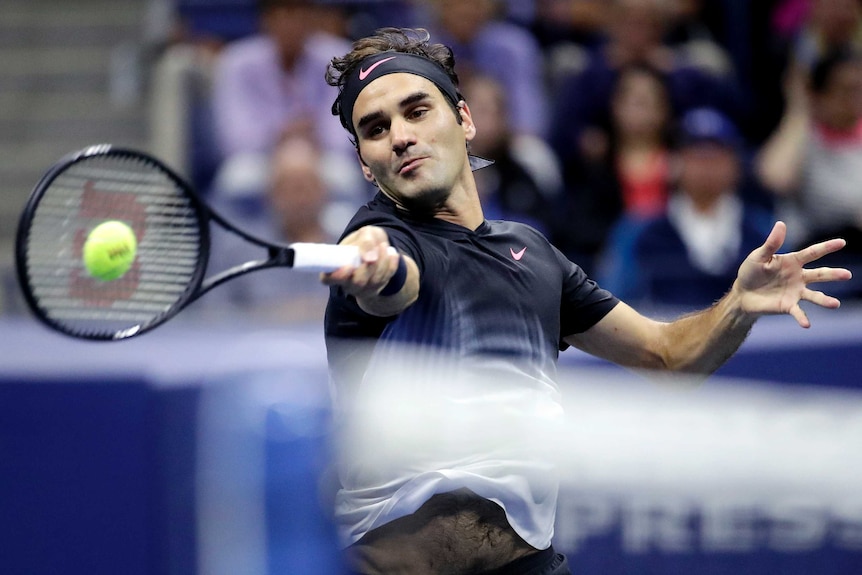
column 270, row 84
column 484, row 43
column 524, row 183
column 829, row 24
column 578, row 22
column 688, row 257
column 622, row 167
column 813, row 161
column 295, row 207
column 634, row 35
column 692, row 33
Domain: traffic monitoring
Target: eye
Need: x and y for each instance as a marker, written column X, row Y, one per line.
column 417, row 113
column 375, row 130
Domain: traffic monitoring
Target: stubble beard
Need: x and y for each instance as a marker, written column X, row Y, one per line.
column 425, row 203
column 420, row 198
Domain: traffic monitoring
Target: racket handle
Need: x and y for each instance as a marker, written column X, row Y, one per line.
column 325, row 257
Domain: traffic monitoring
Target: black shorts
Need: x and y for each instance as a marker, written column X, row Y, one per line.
column 545, row 562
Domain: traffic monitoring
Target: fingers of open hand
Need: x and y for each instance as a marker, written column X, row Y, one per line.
column 800, row 316
column 819, row 298
column 772, row 244
column 818, row 250
column 825, row 274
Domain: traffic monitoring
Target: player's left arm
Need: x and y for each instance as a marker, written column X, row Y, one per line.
column 767, row 283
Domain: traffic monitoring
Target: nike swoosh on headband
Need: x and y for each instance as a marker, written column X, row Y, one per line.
column 364, row 73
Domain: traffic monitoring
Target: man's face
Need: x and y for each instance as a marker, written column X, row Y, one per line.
column 839, row 106
column 464, row 19
column 708, row 170
column 297, row 192
column 640, row 105
column 289, row 26
column 410, row 141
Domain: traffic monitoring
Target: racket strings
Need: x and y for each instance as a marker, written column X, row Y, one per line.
column 168, row 231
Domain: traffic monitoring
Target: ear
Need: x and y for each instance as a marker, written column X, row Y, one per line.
column 366, row 171
column 466, row 120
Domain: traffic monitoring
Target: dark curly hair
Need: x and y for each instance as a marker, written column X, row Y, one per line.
column 415, row 41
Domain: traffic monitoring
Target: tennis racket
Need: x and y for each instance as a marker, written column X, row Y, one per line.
column 172, row 226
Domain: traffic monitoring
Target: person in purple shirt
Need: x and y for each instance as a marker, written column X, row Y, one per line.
column 269, row 84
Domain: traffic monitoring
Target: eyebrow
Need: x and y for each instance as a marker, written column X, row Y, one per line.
column 406, row 102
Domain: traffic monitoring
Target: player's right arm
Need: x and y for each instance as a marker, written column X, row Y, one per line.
column 378, row 285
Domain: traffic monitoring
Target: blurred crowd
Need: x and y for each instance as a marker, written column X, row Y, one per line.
column 654, row 141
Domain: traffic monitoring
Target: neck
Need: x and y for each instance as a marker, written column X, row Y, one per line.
column 463, row 207
column 467, row 213
column 460, row 205
column 470, row 219
column 706, row 204
column 639, row 143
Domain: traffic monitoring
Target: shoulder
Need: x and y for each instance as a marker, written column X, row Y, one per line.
column 253, row 51
column 317, row 54
column 516, row 228
column 324, row 46
column 506, row 34
column 402, row 235
column 377, row 212
column 252, row 47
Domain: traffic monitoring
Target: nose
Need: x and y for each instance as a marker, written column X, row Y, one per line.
column 402, row 135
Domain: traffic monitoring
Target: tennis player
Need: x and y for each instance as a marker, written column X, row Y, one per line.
column 485, row 289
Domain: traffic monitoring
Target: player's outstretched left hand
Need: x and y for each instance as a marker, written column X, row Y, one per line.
column 773, row 283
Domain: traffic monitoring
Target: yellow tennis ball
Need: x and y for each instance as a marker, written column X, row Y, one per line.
column 110, row 250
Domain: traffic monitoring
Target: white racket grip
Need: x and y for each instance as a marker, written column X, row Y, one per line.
column 313, row 257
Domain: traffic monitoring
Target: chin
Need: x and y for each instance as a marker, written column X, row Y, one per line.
column 425, row 201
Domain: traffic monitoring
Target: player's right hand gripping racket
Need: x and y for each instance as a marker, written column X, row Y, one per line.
column 172, row 227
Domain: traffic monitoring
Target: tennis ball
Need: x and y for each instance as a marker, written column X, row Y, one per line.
column 110, row 250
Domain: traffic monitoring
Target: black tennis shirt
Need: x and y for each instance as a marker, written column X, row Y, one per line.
column 501, row 290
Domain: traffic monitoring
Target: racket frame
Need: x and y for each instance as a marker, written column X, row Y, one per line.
column 198, row 285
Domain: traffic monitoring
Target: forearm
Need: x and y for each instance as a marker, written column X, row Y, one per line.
column 778, row 166
column 698, row 343
column 702, row 342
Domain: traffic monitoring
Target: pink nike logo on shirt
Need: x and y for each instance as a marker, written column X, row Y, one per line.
column 518, row 255
column 364, row 73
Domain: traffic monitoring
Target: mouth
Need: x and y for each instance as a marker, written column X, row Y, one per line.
column 410, row 165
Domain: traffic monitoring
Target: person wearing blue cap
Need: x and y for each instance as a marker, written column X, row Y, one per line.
column 483, row 299
column 688, row 256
